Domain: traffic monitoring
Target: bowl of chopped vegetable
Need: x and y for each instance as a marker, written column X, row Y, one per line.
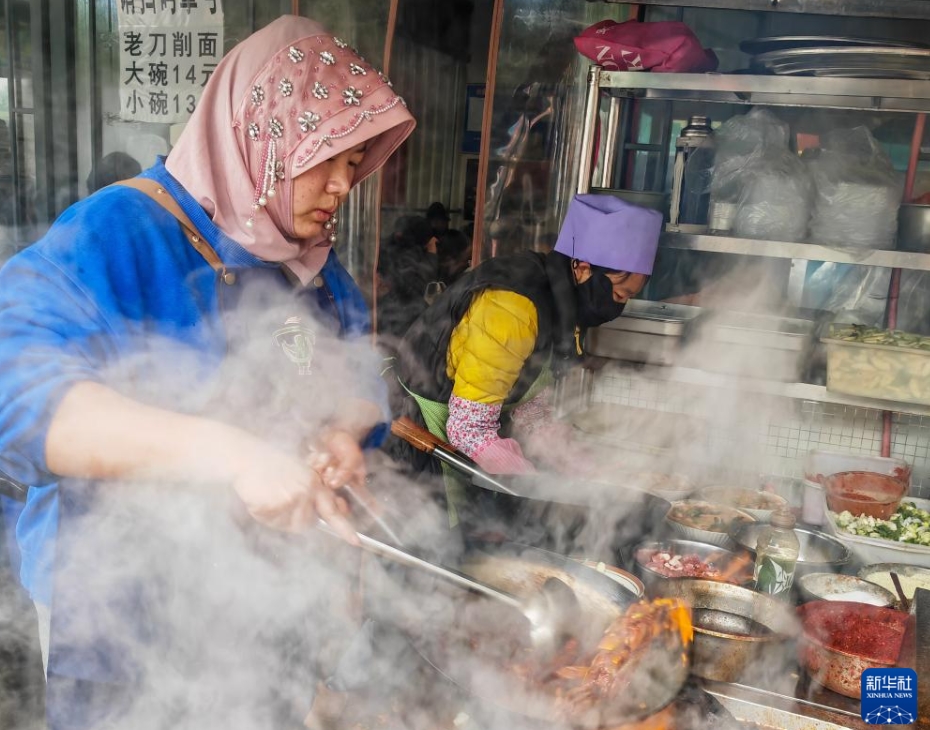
column 864, row 493
column 902, row 538
column 874, row 363
column 692, row 519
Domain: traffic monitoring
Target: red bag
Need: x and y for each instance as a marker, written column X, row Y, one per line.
column 665, row 47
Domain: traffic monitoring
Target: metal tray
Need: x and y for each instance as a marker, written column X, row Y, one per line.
column 756, row 46
column 758, row 330
column 654, row 318
column 648, row 332
column 750, row 345
column 861, row 61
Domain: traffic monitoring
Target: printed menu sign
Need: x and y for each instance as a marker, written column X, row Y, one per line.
column 167, row 51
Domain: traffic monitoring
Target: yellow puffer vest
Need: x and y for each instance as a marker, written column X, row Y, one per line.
column 490, row 345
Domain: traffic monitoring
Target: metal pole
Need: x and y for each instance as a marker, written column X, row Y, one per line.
column 587, row 132
column 894, row 289
column 379, row 178
column 484, row 151
column 610, row 143
column 13, row 102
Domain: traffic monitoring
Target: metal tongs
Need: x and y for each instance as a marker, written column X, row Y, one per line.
column 422, row 440
column 550, row 612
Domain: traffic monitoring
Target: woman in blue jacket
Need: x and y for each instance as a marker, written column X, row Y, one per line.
column 137, row 352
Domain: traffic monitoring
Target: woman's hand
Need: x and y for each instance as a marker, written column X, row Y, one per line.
column 97, row 433
column 284, row 494
column 339, row 460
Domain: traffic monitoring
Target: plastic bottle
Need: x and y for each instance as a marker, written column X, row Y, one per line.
column 691, row 175
column 777, row 553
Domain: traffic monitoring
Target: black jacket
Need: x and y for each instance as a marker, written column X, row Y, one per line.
column 546, row 280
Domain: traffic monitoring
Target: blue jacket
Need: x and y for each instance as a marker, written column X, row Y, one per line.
column 113, row 277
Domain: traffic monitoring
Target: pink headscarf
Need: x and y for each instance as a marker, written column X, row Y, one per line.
column 285, row 99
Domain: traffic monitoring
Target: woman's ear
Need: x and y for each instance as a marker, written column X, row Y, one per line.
column 581, row 271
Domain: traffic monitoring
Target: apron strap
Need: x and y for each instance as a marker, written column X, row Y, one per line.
column 161, row 196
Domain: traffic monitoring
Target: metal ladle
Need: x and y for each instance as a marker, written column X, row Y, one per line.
column 551, row 612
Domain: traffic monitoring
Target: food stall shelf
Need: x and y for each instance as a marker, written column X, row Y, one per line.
column 799, row 391
column 803, row 251
column 915, row 9
column 893, row 95
column 774, row 710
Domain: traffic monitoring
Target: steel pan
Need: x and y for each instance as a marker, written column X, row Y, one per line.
column 585, row 519
column 576, row 518
column 428, row 614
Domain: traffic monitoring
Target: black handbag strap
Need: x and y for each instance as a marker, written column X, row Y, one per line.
column 13, row 489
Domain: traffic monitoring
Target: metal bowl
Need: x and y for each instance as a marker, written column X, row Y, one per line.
column 840, row 669
column 626, row 580
column 839, row 587
column 764, row 502
column 736, row 631
column 820, row 553
column 720, row 557
column 880, row 574
column 697, row 534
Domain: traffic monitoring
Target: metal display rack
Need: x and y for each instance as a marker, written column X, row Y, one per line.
column 893, row 96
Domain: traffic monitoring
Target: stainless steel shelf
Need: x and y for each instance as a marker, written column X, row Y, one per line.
column 893, row 95
column 797, row 391
column 804, row 251
column 912, row 9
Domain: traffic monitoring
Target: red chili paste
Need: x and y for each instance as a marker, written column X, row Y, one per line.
column 855, row 628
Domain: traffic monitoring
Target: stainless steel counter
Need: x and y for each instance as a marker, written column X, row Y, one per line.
column 785, row 712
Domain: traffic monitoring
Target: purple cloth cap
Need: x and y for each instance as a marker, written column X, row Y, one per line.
column 612, row 233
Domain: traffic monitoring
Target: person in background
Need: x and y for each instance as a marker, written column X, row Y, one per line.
column 160, row 382
column 112, row 168
column 406, row 266
column 453, row 250
column 438, row 218
column 477, row 365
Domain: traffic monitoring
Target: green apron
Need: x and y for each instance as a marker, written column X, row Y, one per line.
column 436, row 414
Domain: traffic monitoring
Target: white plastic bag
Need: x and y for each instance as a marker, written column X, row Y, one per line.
column 775, row 203
column 858, row 192
column 763, row 187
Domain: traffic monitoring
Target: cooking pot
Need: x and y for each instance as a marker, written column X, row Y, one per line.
column 485, row 665
column 571, row 517
column 738, row 633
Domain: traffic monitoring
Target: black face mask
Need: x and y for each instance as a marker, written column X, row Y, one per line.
column 596, row 303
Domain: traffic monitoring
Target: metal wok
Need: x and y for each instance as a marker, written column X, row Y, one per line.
column 486, row 665
column 571, row 517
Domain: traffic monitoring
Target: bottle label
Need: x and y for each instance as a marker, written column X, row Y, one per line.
column 774, row 576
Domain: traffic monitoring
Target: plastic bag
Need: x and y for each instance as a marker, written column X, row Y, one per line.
column 859, row 295
column 741, row 141
column 775, row 203
column 854, row 294
column 668, row 47
column 858, row 192
column 765, row 186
